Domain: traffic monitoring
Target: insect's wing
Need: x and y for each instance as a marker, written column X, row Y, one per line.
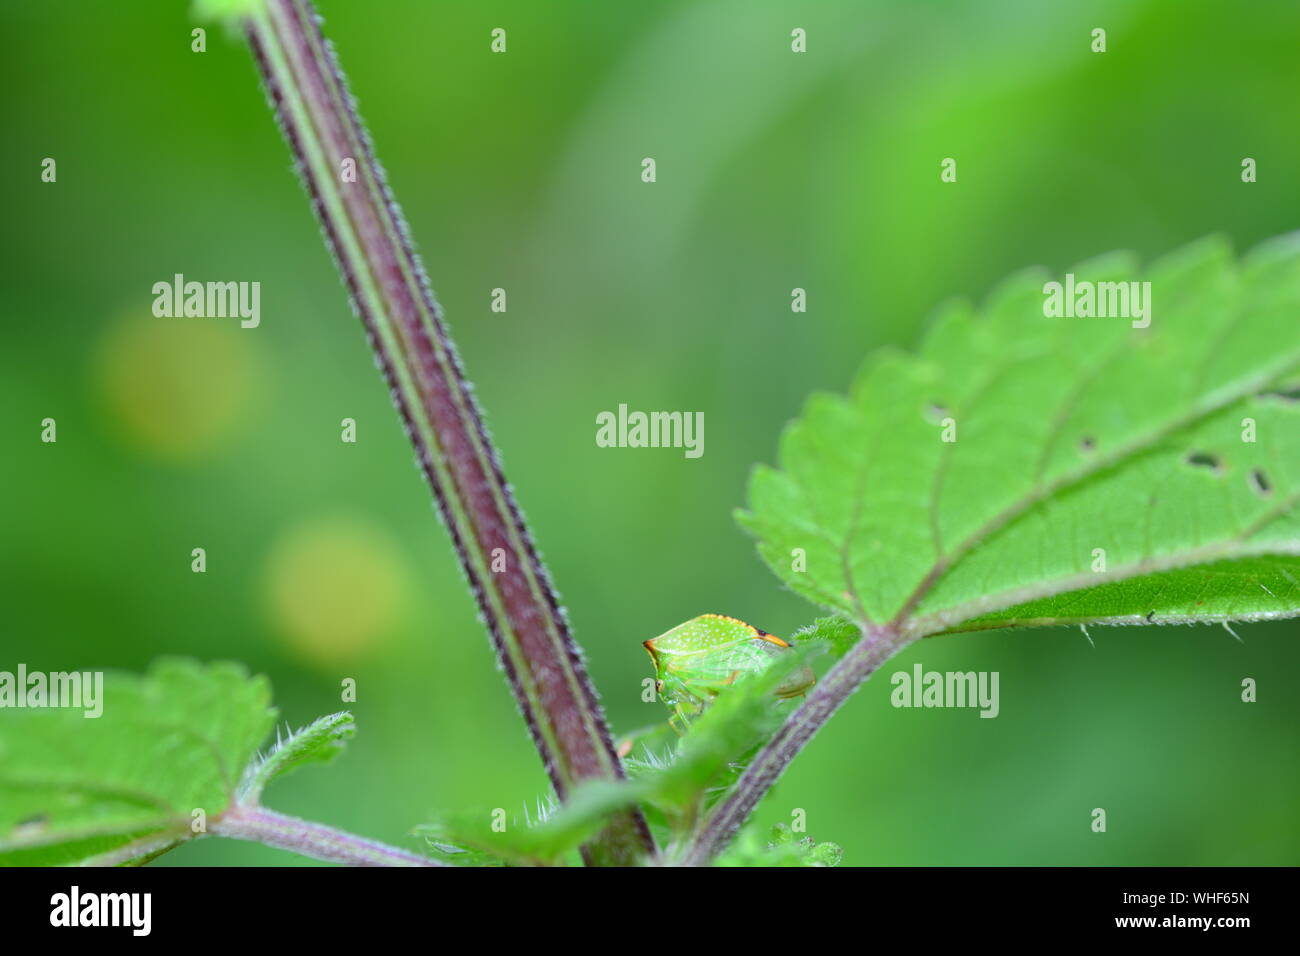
column 706, row 669
column 706, row 632
column 715, row 668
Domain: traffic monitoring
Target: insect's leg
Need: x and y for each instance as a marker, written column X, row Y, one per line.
column 679, row 722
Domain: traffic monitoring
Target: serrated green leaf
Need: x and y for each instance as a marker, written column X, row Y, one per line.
column 487, row 839
column 837, row 634
column 782, row 848
column 74, row 788
column 1089, row 455
column 319, row 742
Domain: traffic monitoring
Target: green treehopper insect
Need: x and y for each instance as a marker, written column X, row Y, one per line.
column 697, row 660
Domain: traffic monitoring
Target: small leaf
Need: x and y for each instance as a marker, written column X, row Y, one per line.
column 1020, row 458
column 470, row 839
column 782, row 848
column 837, row 634
column 319, row 742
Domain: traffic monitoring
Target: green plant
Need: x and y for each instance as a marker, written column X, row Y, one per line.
column 1019, row 470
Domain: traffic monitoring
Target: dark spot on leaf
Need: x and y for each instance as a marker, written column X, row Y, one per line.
column 1150, row 616
column 936, row 412
column 1201, row 459
column 1259, row 483
column 1282, row 394
column 1087, row 443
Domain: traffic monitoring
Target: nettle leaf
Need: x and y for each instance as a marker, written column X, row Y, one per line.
column 1094, row 471
column 836, row 634
column 781, row 848
column 487, row 839
column 319, row 742
column 126, row 783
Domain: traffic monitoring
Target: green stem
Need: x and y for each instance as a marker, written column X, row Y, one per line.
column 390, row 291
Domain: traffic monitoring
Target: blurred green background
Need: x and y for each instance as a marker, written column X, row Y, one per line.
column 522, row 171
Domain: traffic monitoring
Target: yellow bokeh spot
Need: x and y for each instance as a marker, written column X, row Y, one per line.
column 336, row 589
column 177, row 388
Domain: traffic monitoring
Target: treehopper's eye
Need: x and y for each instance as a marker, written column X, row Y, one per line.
column 659, row 687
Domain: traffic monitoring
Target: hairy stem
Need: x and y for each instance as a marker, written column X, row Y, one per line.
column 390, row 291
column 862, row 660
column 311, row 839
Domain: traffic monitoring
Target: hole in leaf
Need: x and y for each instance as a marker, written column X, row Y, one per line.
column 1259, row 483
column 1202, row 459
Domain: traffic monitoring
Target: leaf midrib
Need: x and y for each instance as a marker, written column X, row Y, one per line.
column 1094, row 466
